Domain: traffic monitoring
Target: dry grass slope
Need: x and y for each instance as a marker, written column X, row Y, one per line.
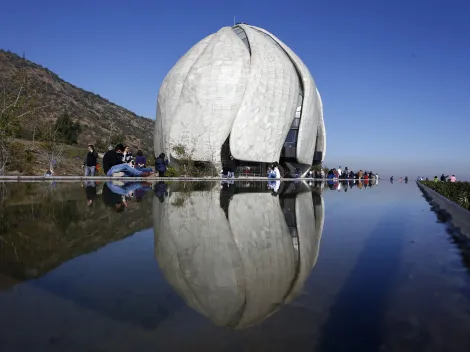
column 98, row 116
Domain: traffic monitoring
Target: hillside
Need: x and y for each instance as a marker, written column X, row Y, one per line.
column 51, row 95
column 43, row 225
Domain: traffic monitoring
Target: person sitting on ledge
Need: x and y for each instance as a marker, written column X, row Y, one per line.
column 140, row 160
column 113, row 163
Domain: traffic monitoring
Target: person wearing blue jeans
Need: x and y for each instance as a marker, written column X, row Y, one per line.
column 127, row 188
column 89, row 163
column 128, row 170
column 144, row 169
column 112, row 163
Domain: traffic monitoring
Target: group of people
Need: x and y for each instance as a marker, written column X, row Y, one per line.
column 120, row 162
column 401, row 179
column 445, row 178
column 117, row 194
column 343, row 175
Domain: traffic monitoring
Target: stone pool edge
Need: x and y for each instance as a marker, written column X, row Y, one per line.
column 459, row 217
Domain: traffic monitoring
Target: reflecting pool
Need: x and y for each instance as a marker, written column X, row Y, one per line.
column 229, row 266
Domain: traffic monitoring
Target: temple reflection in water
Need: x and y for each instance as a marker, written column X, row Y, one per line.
column 237, row 252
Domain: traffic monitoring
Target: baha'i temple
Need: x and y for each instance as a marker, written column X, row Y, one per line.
column 238, row 254
column 242, row 92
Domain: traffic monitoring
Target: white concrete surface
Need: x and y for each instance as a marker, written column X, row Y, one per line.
column 268, row 107
column 310, row 106
column 220, row 88
column 236, row 270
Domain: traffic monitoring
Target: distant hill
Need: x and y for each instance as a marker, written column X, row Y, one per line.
column 98, row 116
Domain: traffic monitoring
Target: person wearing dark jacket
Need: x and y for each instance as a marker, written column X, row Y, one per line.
column 140, row 159
column 89, row 163
column 113, row 158
column 160, row 191
column 90, row 191
column 160, row 165
column 113, row 200
column 112, row 163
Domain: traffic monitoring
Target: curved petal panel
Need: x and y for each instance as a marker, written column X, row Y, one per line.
column 268, row 106
column 261, row 234
column 211, row 96
column 309, row 239
column 238, row 262
column 319, row 208
column 321, row 134
column 198, row 256
column 310, row 108
column 170, row 92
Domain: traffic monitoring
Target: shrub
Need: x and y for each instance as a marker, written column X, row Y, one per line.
column 172, row 172
column 67, row 130
column 20, row 158
column 458, row 192
column 101, row 146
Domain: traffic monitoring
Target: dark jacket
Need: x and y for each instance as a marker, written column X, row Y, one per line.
column 160, row 164
column 160, row 189
column 140, row 159
column 110, row 159
column 90, row 192
column 90, row 159
column 109, row 198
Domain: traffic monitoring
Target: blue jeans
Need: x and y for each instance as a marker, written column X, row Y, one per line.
column 126, row 189
column 90, row 184
column 144, row 169
column 90, row 170
column 128, row 170
column 272, row 175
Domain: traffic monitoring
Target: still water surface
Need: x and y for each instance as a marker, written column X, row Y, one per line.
column 247, row 266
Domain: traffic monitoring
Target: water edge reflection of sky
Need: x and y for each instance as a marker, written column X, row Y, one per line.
column 242, row 266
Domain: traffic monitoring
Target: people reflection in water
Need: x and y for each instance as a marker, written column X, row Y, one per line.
column 160, row 191
column 274, row 187
column 332, row 184
column 239, row 260
column 90, row 192
column 340, row 185
column 117, row 194
column 113, row 200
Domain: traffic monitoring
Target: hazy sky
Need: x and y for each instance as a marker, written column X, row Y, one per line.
column 393, row 75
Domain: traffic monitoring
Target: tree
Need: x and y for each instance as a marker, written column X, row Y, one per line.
column 16, row 105
column 52, row 147
column 67, row 130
